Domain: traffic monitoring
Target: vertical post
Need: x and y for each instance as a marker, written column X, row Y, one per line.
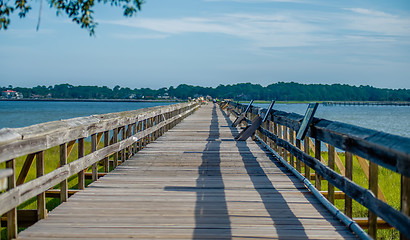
column 106, row 144
column 349, row 175
column 94, row 168
column 331, row 164
column 405, row 200
column 41, row 198
column 134, row 131
column 275, row 131
column 280, row 149
column 63, row 184
column 307, row 151
column 12, row 214
column 292, row 141
column 123, row 137
column 318, row 151
column 115, row 140
column 298, row 165
column 373, row 186
column 285, row 137
column 81, row 153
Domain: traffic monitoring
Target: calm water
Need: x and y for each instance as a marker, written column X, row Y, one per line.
column 21, row 114
column 390, row 119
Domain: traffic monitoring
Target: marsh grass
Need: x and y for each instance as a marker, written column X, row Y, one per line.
column 389, row 183
column 51, row 162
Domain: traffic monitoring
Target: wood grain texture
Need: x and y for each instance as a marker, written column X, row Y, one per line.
column 194, row 182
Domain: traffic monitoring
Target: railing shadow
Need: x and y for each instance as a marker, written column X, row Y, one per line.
column 211, row 211
column 271, row 198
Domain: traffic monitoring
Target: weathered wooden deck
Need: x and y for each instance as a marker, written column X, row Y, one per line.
column 194, row 182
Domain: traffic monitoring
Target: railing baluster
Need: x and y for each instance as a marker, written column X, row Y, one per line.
column 298, row 162
column 12, row 214
column 81, row 153
column 318, row 153
column 94, row 168
column 349, row 175
column 307, row 151
column 63, row 184
column 285, row 137
column 331, row 164
column 373, row 186
column 41, row 198
column 292, row 141
column 106, row 144
column 115, row 140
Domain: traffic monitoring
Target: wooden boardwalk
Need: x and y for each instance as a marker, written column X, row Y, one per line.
column 194, row 182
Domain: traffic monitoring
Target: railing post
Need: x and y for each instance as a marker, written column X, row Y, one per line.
column 115, row 140
column 331, row 164
column 292, row 141
column 81, row 153
column 41, row 198
column 279, row 134
column 94, row 168
column 349, row 175
column 373, row 186
column 134, row 131
column 298, row 162
column 12, row 214
column 405, row 200
column 63, row 184
column 106, row 144
column 318, row 152
column 285, row 137
column 307, row 151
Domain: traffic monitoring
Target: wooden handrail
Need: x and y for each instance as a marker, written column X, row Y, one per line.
column 386, row 150
column 34, row 140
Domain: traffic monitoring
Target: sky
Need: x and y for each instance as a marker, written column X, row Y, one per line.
column 212, row 42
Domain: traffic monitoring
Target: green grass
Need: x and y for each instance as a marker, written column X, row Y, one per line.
column 51, row 160
column 389, row 183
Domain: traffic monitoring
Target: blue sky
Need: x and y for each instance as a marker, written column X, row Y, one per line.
column 212, row 42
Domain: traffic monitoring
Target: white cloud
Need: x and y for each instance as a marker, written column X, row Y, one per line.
column 377, row 22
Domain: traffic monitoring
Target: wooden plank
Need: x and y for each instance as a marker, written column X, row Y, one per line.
column 12, row 212
column 46, row 135
column 365, row 166
column 25, row 169
column 11, row 198
column 81, row 153
column 349, row 175
column 196, row 187
column 63, row 163
column 373, row 185
column 41, row 198
column 405, row 200
column 4, row 174
column 318, row 156
column 331, row 164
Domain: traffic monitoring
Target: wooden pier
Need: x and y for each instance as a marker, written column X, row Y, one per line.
column 179, row 173
column 194, row 182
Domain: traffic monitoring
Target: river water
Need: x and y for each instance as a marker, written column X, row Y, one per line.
column 15, row 114
column 391, row 119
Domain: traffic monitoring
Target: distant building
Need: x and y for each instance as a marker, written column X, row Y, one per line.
column 10, row 94
column 165, row 96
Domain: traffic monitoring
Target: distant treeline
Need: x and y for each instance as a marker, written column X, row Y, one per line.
column 280, row 91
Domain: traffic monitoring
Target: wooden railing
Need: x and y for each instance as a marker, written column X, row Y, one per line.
column 371, row 149
column 124, row 133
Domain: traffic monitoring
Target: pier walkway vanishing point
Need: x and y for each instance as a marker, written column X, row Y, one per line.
column 194, row 182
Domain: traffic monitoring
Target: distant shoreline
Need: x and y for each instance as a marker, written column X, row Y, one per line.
column 85, row 100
